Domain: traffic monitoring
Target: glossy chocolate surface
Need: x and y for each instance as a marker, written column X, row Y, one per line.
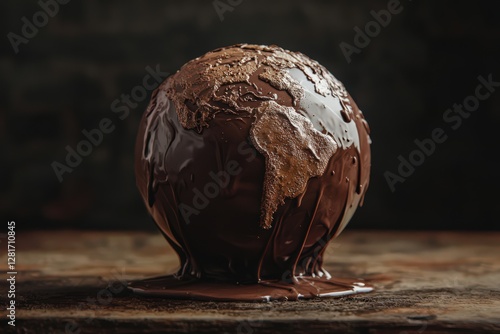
column 250, row 160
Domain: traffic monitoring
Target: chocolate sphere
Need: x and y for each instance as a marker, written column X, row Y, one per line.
column 250, row 160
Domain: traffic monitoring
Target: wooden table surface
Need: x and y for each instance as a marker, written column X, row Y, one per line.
column 426, row 282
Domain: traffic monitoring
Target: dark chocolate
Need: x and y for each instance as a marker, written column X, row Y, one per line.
column 250, row 160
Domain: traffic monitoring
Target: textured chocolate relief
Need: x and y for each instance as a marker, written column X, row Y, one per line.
column 230, row 80
column 294, row 152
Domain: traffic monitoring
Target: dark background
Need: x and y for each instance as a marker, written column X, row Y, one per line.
column 66, row 77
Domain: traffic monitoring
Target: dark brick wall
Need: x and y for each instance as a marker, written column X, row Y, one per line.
column 65, row 79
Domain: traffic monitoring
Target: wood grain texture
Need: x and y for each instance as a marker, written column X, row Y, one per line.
column 426, row 282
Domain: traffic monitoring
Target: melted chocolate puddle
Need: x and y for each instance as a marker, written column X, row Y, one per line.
column 264, row 291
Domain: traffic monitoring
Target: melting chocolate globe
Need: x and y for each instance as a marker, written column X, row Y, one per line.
column 250, row 160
